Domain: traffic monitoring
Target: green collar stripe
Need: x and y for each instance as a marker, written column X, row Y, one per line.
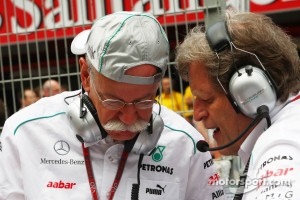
column 37, row 119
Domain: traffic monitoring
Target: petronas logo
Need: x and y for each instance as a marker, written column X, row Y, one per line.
column 157, row 154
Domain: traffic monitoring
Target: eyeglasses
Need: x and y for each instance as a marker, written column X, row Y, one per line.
column 115, row 104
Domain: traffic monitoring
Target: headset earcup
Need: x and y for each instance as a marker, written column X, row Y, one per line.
column 250, row 88
column 87, row 127
column 148, row 138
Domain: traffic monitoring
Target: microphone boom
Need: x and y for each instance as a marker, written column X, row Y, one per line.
column 263, row 112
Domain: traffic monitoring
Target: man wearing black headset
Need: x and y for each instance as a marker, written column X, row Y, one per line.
column 244, row 73
column 109, row 140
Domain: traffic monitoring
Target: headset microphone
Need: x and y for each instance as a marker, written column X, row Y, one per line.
column 262, row 111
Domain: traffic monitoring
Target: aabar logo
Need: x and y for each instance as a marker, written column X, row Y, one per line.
column 274, row 173
column 156, row 191
column 157, row 154
column 278, row 172
column 60, row 185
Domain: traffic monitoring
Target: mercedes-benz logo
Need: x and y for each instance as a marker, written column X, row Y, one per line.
column 61, row 147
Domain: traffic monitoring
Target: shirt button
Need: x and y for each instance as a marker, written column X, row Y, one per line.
column 107, row 194
column 110, row 158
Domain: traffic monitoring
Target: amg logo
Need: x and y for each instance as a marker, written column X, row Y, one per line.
column 217, row 194
column 156, row 191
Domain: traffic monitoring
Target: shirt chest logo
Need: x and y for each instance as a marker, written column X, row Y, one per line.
column 60, row 184
column 157, row 154
column 61, row 147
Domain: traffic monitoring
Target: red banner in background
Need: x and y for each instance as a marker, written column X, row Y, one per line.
column 273, row 6
column 33, row 20
column 30, row 20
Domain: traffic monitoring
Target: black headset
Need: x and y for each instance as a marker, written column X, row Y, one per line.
column 85, row 122
column 249, row 86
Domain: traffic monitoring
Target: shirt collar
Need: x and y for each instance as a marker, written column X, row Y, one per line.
column 247, row 146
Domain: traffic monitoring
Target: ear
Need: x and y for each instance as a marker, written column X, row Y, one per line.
column 84, row 74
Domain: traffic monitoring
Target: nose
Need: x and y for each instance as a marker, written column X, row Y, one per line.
column 200, row 111
column 128, row 114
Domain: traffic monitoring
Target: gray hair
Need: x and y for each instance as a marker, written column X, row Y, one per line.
column 254, row 33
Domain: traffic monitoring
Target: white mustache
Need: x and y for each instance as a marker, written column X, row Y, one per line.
column 116, row 125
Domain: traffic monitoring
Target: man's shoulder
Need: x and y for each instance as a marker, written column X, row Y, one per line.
column 45, row 108
column 173, row 122
column 168, row 115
